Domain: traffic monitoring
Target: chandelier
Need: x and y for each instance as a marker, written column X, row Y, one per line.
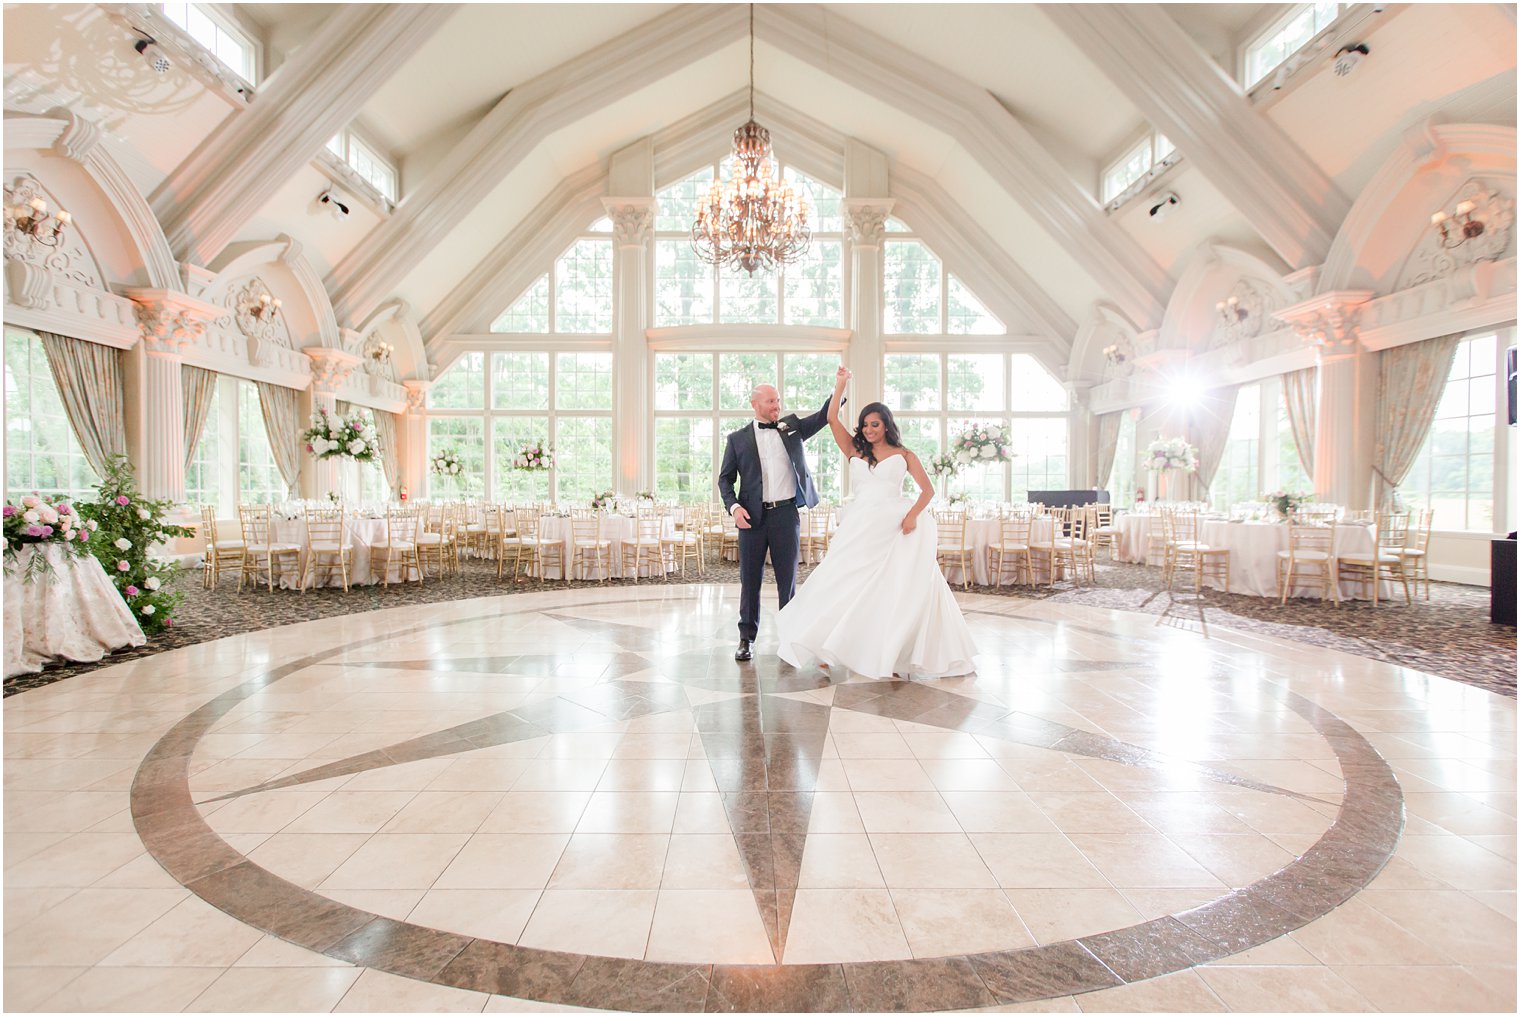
column 756, row 221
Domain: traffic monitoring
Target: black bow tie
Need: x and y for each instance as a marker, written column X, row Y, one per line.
column 768, row 426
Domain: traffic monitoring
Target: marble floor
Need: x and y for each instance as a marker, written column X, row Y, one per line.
column 578, row 799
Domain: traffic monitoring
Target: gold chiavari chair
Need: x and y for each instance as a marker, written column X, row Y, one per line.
column 952, row 545
column 715, row 531
column 816, row 532
column 402, row 526
column 327, row 547
column 644, row 548
column 687, row 543
column 1101, row 531
column 1012, row 542
column 1156, row 536
column 1187, row 551
column 587, row 548
column 1310, row 556
column 728, row 544
column 549, row 549
column 1061, row 548
column 259, row 544
column 1079, row 556
column 518, row 542
column 1416, row 551
column 439, row 537
column 1384, row 561
column 220, row 553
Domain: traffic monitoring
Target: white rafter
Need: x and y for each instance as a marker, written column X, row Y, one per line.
column 1186, row 96
column 228, row 178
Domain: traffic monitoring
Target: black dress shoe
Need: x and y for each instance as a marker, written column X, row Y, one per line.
column 742, row 653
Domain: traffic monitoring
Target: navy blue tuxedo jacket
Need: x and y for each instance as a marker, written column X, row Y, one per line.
column 741, row 461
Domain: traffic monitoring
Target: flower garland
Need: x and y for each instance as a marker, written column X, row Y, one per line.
column 1171, row 453
column 352, row 436
column 125, row 524
column 534, row 458
column 446, row 463
column 981, row 444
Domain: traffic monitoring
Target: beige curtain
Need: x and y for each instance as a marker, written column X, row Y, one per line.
column 1411, row 380
column 390, row 457
column 1210, row 433
column 199, row 385
column 1301, row 401
column 90, row 386
column 1108, row 445
column 282, row 423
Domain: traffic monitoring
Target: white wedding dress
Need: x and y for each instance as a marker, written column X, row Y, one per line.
column 878, row 603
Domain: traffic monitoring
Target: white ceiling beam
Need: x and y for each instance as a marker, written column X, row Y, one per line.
column 994, row 137
column 516, row 125
column 1185, row 95
column 222, row 184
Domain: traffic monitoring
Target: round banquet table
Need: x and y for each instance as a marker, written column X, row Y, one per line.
column 75, row 613
column 361, row 534
column 615, row 529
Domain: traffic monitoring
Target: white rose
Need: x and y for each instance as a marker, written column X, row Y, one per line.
column 144, row 514
column 152, row 583
column 93, row 525
column 49, row 516
column 988, row 451
column 123, row 544
column 355, row 447
column 31, row 516
column 150, row 610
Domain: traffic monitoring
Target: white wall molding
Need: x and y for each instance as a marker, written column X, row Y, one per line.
column 1481, row 295
column 43, row 301
column 213, row 193
column 1185, row 95
column 514, row 128
column 728, row 338
column 1212, row 272
column 988, row 132
column 283, row 257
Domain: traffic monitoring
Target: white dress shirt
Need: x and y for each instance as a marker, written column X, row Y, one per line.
column 779, row 481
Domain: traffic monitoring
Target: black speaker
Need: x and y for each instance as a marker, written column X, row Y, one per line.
column 1509, row 373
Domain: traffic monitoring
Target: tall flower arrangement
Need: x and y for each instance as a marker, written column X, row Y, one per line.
column 123, row 525
column 978, row 444
column 446, row 463
column 534, row 458
column 332, row 436
column 1171, row 453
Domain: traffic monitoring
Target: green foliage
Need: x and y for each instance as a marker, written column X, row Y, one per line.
column 122, row 514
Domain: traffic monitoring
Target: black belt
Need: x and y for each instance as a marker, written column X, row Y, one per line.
column 768, row 505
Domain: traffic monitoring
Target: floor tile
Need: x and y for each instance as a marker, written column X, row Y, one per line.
column 953, row 922
column 504, row 861
column 286, row 989
column 603, row 922
column 498, row 915
column 844, row 926
column 611, row 861
column 397, row 861
column 708, row 926
column 930, row 861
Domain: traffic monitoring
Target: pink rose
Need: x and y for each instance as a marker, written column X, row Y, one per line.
column 33, row 530
column 132, row 590
column 123, row 500
column 122, row 566
column 46, row 531
column 168, row 622
column 84, row 534
column 10, row 510
column 64, row 508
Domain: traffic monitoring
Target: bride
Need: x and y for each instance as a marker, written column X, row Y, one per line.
column 878, row 603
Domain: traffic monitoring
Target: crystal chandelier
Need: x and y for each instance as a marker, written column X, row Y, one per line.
column 756, row 221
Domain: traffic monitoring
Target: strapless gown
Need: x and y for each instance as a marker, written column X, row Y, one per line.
column 877, row 603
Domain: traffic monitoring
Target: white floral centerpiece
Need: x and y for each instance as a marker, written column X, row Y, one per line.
column 943, row 466
column 1171, row 453
column 959, row 500
column 645, row 495
column 534, row 458
column 446, row 463
column 981, row 444
column 603, row 500
column 351, row 437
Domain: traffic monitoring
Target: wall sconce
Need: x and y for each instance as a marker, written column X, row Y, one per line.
column 1231, row 312
column 380, row 352
column 32, row 219
column 265, row 308
column 1115, row 354
column 1459, row 227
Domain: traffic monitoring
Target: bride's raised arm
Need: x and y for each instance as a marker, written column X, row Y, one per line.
column 841, row 433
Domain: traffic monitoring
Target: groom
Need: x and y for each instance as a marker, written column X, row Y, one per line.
column 765, row 456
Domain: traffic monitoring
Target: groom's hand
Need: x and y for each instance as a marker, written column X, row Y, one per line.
column 741, row 517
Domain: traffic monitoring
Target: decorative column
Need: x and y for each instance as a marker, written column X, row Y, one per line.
column 1081, row 438
column 169, row 323
column 412, row 435
column 632, row 223
column 1347, row 381
column 330, row 369
column 866, row 219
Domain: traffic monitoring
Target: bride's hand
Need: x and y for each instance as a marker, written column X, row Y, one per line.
column 840, row 377
column 909, row 523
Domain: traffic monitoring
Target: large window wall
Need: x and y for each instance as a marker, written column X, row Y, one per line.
column 936, row 396
column 699, row 398
column 41, row 452
column 487, row 407
column 1260, row 455
column 233, row 463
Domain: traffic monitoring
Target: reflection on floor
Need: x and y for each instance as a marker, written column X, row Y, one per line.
column 579, row 799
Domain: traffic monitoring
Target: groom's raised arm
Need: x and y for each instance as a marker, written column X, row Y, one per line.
column 806, row 428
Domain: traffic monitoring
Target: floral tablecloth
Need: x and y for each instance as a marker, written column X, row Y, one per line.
column 74, row 613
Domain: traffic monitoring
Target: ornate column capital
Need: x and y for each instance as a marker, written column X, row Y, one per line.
column 416, row 394
column 866, row 219
column 167, row 321
column 1330, row 321
column 330, row 368
column 632, row 220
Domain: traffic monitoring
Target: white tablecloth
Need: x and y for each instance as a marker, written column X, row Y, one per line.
column 1253, row 548
column 616, row 529
column 981, row 534
column 73, row 614
column 363, row 536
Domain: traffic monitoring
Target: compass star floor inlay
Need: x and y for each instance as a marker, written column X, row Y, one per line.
column 580, row 799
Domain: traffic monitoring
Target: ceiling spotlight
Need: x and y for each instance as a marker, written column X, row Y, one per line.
column 336, row 202
column 1348, row 57
column 1185, row 391
column 1162, row 204
column 150, row 51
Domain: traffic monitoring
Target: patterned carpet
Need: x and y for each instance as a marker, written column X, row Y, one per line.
column 1449, row 635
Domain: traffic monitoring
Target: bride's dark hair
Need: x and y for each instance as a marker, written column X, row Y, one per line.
column 893, row 437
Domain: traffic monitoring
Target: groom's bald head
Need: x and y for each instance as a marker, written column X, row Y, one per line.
column 766, row 402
